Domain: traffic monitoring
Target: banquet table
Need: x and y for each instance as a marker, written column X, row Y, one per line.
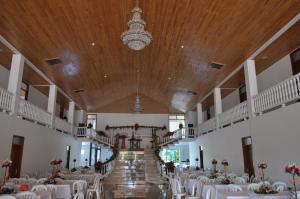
column 251, row 195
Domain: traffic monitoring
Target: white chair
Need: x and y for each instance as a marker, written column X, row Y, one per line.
column 210, row 194
column 239, row 180
column 193, row 176
column 196, row 191
column 41, row 180
column 279, row 186
column 176, row 189
column 234, row 188
column 26, row 195
column 79, row 186
column 79, row 195
column 253, row 187
column 39, row 188
column 22, row 181
column 98, row 190
column 51, row 188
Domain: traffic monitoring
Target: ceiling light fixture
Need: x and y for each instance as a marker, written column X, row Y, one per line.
column 136, row 38
column 182, row 46
column 93, row 44
column 105, row 76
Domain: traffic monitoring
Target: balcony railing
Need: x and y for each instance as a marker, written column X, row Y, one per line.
column 208, row 125
column 5, row 100
column 235, row 114
column 63, row 125
column 280, row 94
column 32, row 112
column 84, row 132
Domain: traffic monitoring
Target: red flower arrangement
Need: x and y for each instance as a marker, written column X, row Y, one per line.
column 55, row 162
column 214, row 162
column 294, row 170
column 262, row 166
column 225, row 163
column 6, row 163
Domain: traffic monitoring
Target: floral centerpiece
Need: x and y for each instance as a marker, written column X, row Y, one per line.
column 294, row 170
column 225, row 165
column 74, row 162
column 262, row 166
column 227, row 180
column 214, row 163
column 170, row 166
column 6, row 164
column 55, row 166
column 265, row 188
column 197, row 162
column 98, row 166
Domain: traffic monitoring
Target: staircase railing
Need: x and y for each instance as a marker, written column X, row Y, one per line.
column 5, row 100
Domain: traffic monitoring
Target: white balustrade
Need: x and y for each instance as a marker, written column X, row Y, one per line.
column 63, row 125
column 237, row 113
column 280, row 94
column 5, row 100
column 32, row 112
column 208, row 125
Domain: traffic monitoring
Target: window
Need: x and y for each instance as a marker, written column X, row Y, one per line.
column 175, row 120
column 169, row 155
column 92, row 119
column 85, row 153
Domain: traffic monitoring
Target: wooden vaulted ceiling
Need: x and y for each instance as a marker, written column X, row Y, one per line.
column 223, row 31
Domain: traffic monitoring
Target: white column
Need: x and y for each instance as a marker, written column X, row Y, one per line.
column 71, row 112
column 15, row 80
column 217, row 103
column 199, row 114
column 251, row 84
column 52, row 102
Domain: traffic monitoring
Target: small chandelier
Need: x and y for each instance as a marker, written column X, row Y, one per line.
column 137, row 106
column 136, row 38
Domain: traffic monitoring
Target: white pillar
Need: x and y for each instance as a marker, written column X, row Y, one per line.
column 251, row 84
column 71, row 112
column 52, row 102
column 217, row 101
column 199, row 114
column 218, row 104
column 15, row 80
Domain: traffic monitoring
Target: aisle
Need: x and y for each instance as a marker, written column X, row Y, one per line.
column 134, row 179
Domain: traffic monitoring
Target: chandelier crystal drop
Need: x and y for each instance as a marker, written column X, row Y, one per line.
column 136, row 38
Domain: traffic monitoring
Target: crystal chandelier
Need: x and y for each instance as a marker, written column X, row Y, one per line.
column 137, row 106
column 136, row 38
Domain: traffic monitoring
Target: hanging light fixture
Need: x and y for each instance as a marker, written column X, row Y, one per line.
column 136, row 38
column 137, row 106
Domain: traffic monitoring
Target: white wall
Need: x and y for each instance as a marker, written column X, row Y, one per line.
column 127, row 119
column 41, row 144
column 278, row 72
column 231, row 100
column 275, row 137
column 191, row 118
column 222, row 144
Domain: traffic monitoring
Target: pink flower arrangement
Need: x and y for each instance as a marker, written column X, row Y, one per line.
column 294, row 170
column 225, row 163
column 6, row 163
column 214, row 162
column 262, row 166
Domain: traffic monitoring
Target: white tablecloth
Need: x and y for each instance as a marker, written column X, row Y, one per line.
column 63, row 192
column 251, row 195
column 40, row 195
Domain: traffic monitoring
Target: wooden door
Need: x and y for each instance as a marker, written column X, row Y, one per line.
column 16, row 156
column 295, row 60
column 247, row 154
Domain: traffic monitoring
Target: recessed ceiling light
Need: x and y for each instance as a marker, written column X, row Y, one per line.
column 105, row 76
column 93, row 44
column 169, row 78
column 182, row 46
column 265, row 57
